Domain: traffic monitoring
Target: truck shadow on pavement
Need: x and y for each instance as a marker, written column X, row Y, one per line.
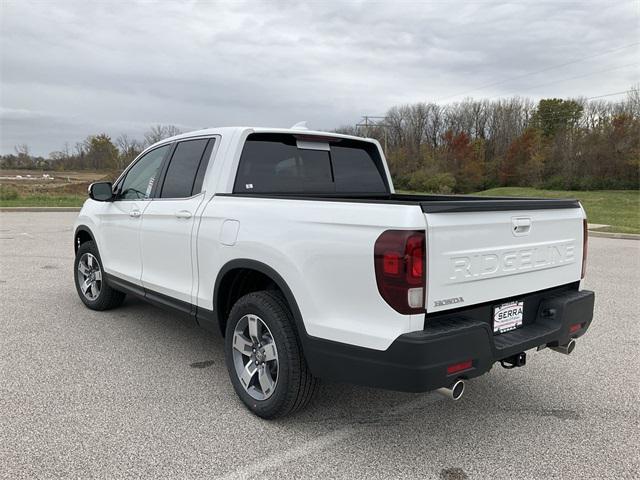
column 340, row 404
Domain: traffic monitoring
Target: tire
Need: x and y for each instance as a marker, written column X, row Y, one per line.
column 291, row 386
column 99, row 295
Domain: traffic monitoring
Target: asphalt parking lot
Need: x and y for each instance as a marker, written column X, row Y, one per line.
column 140, row 392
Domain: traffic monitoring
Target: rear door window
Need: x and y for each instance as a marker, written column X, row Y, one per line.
column 186, row 169
column 273, row 163
column 197, row 184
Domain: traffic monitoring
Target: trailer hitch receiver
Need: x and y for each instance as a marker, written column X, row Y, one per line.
column 517, row 360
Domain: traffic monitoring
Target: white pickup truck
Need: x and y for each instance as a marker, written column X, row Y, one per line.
column 294, row 245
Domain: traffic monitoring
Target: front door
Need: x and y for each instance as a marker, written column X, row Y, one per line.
column 121, row 219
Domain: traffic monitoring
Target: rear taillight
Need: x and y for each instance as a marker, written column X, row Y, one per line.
column 399, row 257
column 585, row 241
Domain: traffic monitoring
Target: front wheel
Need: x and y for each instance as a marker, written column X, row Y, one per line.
column 264, row 359
column 91, row 286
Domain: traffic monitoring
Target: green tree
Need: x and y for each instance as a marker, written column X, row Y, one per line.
column 101, row 153
column 555, row 114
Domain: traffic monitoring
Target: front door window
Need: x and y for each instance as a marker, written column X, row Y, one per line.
column 138, row 184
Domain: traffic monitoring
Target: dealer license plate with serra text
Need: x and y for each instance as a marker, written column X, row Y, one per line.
column 508, row 316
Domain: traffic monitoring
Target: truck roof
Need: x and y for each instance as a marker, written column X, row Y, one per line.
column 232, row 130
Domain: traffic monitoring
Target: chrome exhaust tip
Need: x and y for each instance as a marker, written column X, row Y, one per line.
column 565, row 349
column 455, row 392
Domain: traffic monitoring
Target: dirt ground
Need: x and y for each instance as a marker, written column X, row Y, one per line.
column 48, row 182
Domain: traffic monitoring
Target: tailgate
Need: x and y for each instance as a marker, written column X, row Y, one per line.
column 476, row 256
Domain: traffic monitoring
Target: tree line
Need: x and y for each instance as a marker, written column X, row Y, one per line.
column 462, row 147
column 474, row 145
column 96, row 152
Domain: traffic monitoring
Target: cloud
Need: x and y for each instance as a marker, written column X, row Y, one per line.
column 70, row 69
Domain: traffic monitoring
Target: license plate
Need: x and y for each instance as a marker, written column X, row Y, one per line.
column 507, row 317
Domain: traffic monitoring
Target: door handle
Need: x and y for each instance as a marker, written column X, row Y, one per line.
column 135, row 213
column 183, row 214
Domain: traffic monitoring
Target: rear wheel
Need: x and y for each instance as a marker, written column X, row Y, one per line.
column 264, row 358
column 91, row 286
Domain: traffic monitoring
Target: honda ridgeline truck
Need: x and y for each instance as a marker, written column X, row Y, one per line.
column 294, row 245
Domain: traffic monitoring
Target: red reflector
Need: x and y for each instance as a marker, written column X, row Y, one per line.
column 391, row 263
column 575, row 327
column 459, row 367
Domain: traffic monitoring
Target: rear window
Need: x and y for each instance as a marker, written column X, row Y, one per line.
column 355, row 169
column 273, row 163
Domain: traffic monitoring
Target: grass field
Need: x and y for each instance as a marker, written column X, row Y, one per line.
column 618, row 208
column 44, row 201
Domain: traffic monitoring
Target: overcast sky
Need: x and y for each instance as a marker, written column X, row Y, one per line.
column 70, row 69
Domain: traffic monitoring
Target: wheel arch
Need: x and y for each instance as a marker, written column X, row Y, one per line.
column 229, row 287
column 81, row 235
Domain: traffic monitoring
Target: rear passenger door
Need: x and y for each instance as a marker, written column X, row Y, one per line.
column 168, row 224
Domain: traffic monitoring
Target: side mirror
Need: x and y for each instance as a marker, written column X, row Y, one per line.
column 101, row 191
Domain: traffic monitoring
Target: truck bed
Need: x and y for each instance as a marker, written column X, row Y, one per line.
column 483, row 248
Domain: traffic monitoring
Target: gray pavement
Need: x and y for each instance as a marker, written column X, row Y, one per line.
column 140, row 392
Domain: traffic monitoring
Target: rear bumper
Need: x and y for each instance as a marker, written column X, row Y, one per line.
column 417, row 361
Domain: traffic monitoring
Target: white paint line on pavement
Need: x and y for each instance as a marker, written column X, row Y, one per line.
column 306, row 449
column 319, row 443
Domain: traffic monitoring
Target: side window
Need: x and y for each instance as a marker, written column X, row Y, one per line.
column 186, row 169
column 202, row 169
column 139, row 181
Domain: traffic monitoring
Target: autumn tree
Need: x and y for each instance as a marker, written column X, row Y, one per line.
column 129, row 148
column 160, row 132
column 463, row 159
column 524, row 161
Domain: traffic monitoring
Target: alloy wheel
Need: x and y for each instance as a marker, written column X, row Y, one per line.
column 255, row 357
column 89, row 276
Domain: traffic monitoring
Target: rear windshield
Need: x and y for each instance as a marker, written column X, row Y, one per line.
column 273, row 163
